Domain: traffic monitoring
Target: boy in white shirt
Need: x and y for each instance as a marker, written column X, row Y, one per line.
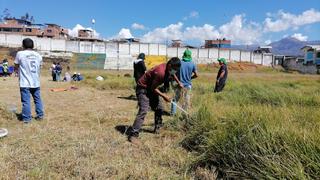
column 28, row 63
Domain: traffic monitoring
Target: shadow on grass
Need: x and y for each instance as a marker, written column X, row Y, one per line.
column 131, row 97
column 125, row 130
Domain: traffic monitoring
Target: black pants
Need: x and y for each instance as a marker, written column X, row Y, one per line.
column 219, row 86
column 147, row 99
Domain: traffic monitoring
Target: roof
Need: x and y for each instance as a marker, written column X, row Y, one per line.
column 316, row 47
column 17, row 19
column 265, row 47
column 51, row 24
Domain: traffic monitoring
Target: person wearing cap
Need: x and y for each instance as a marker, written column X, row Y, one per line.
column 28, row 63
column 139, row 67
column 222, row 75
column 74, row 76
column 5, row 67
column 79, row 77
column 188, row 71
column 148, row 91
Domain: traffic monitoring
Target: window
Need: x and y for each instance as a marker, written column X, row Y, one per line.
column 318, row 54
column 28, row 30
column 49, row 31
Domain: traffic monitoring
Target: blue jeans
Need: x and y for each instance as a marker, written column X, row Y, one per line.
column 25, row 100
column 185, row 93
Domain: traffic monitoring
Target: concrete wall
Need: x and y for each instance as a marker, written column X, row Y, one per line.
column 121, row 55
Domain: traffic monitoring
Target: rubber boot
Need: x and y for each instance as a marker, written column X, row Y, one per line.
column 157, row 122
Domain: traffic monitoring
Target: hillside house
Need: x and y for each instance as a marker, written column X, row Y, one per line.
column 311, row 54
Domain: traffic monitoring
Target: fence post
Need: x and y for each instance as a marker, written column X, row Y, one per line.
column 177, row 51
column 118, row 56
column 139, row 48
column 262, row 56
column 240, row 58
column 229, row 55
column 250, row 56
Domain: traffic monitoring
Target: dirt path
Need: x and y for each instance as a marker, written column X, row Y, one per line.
column 78, row 138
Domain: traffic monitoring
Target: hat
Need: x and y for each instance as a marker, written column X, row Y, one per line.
column 141, row 56
column 187, row 55
column 223, row 60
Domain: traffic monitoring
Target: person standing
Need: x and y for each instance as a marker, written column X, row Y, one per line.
column 28, row 63
column 188, row 71
column 222, row 75
column 139, row 67
column 58, row 72
column 53, row 71
column 67, row 76
column 148, row 92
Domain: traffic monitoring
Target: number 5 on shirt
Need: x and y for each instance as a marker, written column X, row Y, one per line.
column 33, row 67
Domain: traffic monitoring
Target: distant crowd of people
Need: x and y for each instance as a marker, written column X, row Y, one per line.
column 56, row 70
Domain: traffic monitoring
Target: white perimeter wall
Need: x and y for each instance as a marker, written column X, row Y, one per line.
column 121, row 55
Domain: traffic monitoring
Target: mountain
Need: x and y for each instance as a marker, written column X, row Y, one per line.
column 288, row 46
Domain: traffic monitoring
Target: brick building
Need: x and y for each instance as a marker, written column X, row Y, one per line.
column 19, row 26
column 24, row 27
column 218, row 43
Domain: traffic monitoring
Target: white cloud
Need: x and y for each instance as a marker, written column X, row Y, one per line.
column 267, row 42
column 124, row 33
column 193, row 14
column 237, row 30
column 173, row 31
column 74, row 31
column 240, row 31
column 138, row 26
column 300, row 37
column 283, row 21
column 207, row 31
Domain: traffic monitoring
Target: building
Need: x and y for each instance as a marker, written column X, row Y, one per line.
column 218, row 43
column 20, row 26
column 311, row 54
column 86, row 35
column 55, row 31
column 24, row 27
column 176, row 43
column 263, row 49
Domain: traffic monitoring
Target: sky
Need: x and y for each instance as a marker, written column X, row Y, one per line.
column 192, row 21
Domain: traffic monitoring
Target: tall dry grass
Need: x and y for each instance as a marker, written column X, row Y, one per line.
column 260, row 127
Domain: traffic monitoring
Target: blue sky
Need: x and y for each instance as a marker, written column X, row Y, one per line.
column 242, row 21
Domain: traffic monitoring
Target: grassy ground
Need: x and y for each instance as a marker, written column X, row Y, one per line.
column 265, row 125
column 78, row 139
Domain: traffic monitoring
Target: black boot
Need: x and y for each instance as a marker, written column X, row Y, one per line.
column 133, row 136
column 157, row 123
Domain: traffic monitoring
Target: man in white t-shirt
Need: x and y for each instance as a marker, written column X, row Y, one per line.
column 28, row 63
